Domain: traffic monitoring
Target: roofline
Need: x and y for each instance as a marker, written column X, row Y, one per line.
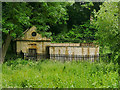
column 25, row 32
column 35, row 40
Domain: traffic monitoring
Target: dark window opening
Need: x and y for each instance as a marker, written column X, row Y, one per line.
column 31, row 44
column 34, row 34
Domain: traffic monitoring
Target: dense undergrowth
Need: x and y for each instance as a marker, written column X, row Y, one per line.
column 54, row 74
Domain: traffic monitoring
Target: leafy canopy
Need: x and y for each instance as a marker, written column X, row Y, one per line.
column 79, row 33
column 18, row 16
column 106, row 22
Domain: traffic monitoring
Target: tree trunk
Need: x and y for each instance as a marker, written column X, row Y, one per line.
column 5, row 46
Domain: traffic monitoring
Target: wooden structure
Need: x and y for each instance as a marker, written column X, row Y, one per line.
column 34, row 46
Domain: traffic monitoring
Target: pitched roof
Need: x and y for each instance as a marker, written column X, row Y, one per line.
column 38, row 37
column 33, row 27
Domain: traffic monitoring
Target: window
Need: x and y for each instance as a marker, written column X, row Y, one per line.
column 32, row 44
column 34, row 34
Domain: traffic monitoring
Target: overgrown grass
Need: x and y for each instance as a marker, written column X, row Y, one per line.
column 55, row 74
column 0, row 76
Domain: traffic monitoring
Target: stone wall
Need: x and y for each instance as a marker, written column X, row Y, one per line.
column 74, row 53
column 41, row 48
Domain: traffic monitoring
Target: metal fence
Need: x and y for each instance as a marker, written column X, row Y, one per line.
column 63, row 57
column 69, row 53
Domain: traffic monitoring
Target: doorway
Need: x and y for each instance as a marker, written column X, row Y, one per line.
column 32, row 54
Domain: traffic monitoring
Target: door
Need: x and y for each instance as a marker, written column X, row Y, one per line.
column 32, row 54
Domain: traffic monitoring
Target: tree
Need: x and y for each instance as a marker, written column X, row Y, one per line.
column 106, row 22
column 51, row 13
column 77, row 28
column 17, row 17
column 79, row 33
column 80, row 12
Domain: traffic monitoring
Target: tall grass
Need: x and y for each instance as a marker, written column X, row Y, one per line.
column 0, row 76
column 55, row 74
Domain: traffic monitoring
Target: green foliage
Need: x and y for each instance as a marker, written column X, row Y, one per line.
column 106, row 22
column 55, row 74
column 80, row 12
column 48, row 13
column 17, row 17
column 79, row 33
column 0, row 76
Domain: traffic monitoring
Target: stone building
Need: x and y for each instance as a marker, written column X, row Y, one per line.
column 34, row 46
